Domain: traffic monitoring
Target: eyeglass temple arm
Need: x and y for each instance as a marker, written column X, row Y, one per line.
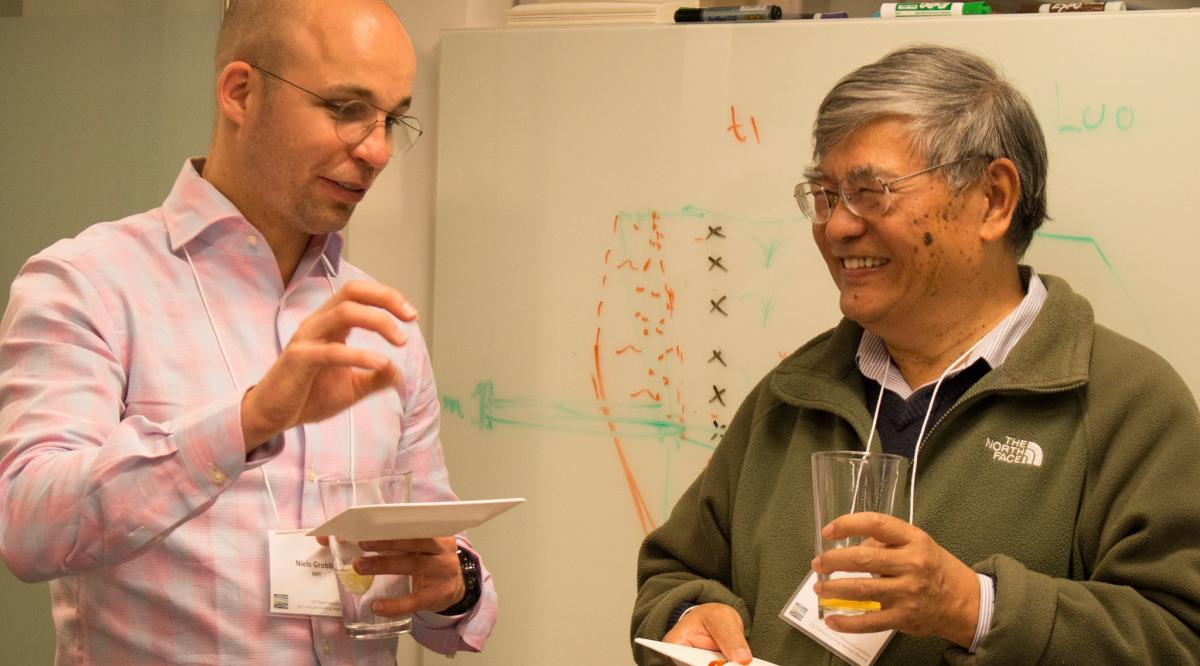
column 932, row 168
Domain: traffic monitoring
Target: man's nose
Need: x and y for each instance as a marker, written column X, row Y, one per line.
column 376, row 146
column 843, row 223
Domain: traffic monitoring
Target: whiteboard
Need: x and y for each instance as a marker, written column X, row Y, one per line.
column 589, row 178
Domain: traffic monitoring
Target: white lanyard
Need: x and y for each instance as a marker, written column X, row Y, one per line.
column 912, row 484
column 233, row 378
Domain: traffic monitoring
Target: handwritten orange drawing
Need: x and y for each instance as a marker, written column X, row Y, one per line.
column 639, row 502
column 735, row 126
column 649, row 394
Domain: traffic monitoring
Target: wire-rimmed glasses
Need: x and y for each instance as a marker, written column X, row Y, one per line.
column 866, row 195
column 354, row 120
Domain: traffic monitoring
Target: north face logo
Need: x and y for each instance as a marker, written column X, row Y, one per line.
column 1016, row 451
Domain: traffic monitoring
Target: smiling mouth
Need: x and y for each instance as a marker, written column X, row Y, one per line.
column 349, row 186
column 855, row 263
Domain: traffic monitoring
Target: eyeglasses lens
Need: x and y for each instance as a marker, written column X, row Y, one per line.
column 866, row 196
column 357, row 120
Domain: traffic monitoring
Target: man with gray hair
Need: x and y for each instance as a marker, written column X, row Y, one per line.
column 927, row 185
column 173, row 384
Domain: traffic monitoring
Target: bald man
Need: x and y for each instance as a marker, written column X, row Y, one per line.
column 173, row 383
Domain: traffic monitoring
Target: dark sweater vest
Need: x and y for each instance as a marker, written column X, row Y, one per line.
column 900, row 420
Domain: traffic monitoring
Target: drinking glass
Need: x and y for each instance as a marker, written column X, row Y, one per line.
column 848, row 482
column 358, row 591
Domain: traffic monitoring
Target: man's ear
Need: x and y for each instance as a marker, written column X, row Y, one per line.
column 1002, row 188
column 234, row 90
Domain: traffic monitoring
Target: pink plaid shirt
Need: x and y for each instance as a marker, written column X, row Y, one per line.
column 123, row 475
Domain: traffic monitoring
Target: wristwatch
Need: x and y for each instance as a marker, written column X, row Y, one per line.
column 472, row 581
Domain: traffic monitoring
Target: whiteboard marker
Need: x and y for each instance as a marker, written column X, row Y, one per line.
column 1059, row 7
column 894, row 9
column 723, row 14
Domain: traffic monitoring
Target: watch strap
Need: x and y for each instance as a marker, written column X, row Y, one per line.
column 472, row 581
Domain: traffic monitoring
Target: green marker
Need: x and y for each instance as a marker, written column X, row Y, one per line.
column 893, row 9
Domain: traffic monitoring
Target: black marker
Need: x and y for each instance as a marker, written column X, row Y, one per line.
column 722, row 14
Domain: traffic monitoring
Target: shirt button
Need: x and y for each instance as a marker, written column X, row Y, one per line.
column 217, row 476
column 325, row 648
column 312, row 475
column 251, row 241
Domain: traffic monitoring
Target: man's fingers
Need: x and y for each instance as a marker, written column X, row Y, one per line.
column 373, row 294
column 886, row 591
column 398, row 606
column 335, row 323
column 427, row 598
column 389, row 375
column 712, row 626
column 867, row 623
column 428, row 546
column 881, row 527
column 702, row 641
column 882, row 561
column 727, row 632
column 410, row 564
column 691, row 633
column 314, row 356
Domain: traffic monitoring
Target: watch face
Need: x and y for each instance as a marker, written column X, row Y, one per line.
column 470, row 570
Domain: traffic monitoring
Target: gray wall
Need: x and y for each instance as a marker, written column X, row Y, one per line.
column 99, row 111
column 102, row 102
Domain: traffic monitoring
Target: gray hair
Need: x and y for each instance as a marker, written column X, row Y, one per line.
column 958, row 106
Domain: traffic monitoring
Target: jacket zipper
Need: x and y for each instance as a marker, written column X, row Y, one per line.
column 970, row 399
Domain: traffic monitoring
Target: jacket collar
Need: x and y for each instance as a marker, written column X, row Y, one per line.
column 1053, row 355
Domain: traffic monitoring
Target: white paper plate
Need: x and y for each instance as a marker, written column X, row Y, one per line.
column 416, row 520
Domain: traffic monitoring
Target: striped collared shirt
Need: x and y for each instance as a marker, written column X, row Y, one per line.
column 123, row 474
column 874, row 362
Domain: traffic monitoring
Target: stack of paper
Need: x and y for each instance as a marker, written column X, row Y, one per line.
column 576, row 13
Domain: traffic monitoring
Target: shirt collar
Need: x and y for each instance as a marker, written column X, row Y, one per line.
column 195, row 210
column 875, row 363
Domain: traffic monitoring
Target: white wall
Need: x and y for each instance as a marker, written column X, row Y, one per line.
column 391, row 235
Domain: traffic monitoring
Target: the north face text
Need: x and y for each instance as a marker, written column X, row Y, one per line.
column 1016, row 451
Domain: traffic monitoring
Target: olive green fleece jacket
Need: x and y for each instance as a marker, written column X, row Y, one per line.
column 1092, row 535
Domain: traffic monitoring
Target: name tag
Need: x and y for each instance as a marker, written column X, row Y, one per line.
column 302, row 580
column 801, row 613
